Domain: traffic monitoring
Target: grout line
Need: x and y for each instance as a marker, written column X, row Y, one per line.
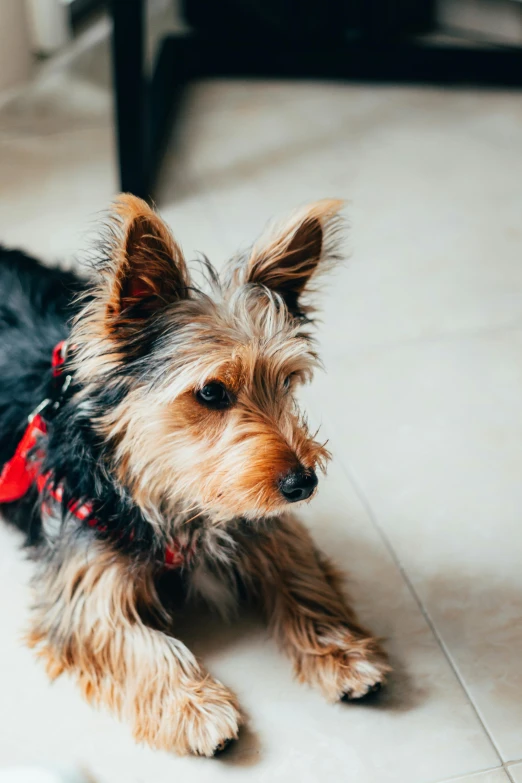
column 384, row 537
column 471, row 775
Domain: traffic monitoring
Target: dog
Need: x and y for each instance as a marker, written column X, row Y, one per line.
column 163, row 450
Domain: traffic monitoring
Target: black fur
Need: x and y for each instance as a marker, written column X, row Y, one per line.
column 36, row 305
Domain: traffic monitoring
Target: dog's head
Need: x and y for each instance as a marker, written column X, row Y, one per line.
column 192, row 386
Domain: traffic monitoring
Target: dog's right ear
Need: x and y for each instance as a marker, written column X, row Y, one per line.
column 147, row 270
column 292, row 255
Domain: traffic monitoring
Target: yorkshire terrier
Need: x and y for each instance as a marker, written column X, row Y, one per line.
column 163, row 449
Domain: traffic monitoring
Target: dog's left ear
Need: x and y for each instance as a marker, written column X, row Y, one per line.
column 291, row 256
column 148, row 270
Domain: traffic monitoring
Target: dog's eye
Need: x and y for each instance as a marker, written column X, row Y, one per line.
column 288, row 380
column 214, row 395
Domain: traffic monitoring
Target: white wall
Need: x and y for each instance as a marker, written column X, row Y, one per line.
column 48, row 25
column 16, row 60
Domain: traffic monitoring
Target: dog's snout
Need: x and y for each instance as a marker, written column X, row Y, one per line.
column 298, row 485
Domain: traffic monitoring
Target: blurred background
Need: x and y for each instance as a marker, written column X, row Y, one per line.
column 228, row 113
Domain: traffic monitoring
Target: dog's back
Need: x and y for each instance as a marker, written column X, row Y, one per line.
column 35, row 305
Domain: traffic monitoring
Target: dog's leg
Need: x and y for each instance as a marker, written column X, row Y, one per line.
column 87, row 621
column 302, row 595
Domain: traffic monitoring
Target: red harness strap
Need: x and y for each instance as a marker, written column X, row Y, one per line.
column 23, row 470
column 19, row 473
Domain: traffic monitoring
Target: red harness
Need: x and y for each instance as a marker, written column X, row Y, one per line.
column 23, row 470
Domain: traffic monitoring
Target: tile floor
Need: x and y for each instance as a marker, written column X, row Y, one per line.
column 422, row 339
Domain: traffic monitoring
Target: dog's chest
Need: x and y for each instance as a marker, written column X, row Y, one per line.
column 205, row 556
column 211, row 575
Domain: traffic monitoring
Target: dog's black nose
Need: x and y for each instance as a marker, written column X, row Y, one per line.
column 298, row 485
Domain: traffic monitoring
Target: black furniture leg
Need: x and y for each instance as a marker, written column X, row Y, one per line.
column 130, row 88
column 145, row 107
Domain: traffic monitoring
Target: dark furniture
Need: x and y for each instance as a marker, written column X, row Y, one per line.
column 374, row 40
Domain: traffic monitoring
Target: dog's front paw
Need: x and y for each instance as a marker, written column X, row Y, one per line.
column 199, row 717
column 344, row 666
column 365, row 678
column 209, row 720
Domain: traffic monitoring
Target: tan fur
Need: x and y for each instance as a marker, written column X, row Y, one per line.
column 147, row 255
column 145, row 344
column 233, row 459
column 230, row 463
column 303, row 599
column 89, row 624
column 143, row 255
column 288, row 256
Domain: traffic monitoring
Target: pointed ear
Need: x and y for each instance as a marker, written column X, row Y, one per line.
column 286, row 261
column 148, row 270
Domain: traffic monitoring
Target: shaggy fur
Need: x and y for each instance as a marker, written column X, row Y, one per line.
column 161, row 464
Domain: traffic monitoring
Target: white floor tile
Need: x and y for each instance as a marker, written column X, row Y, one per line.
column 515, row 772
column 433, row 434
column 58, row 102
column 432, row 184
column 54, row 189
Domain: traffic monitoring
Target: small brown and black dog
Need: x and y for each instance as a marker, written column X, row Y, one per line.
column 167, row 447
